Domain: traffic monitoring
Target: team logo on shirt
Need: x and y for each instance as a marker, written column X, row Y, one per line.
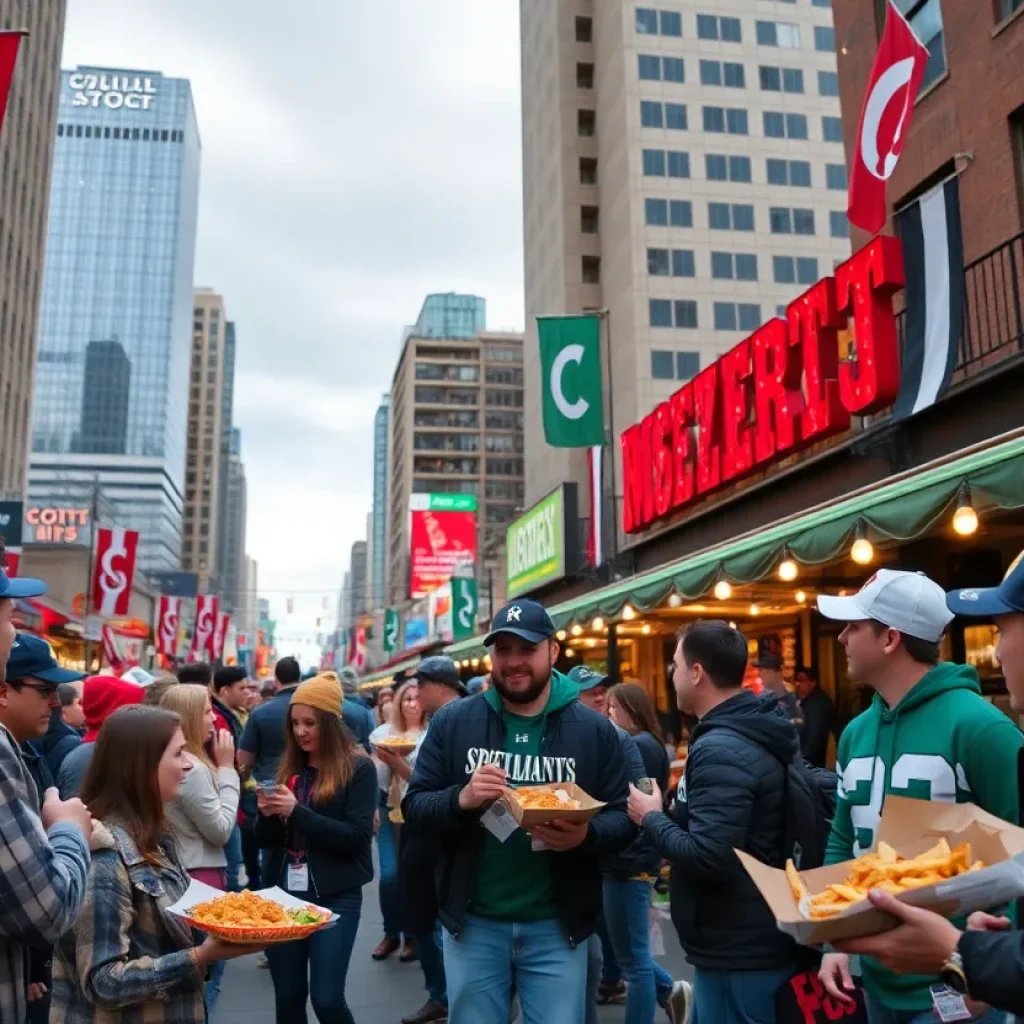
column 523, row 767
column 522, row 737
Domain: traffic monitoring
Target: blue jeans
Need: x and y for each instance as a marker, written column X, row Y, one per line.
column 611, row 972
column 879, row 1014
column 736, row 997
column 490, row 957
column 212, row 987
column 626, row 911
column 233, row 852
column 428, row 949
column 317, row 967
column 387, row 854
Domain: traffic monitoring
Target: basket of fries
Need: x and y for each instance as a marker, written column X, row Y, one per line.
column 250, row 918
column 949, row 858
column 535, row 805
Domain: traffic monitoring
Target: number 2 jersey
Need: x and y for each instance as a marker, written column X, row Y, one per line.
column 943, row 741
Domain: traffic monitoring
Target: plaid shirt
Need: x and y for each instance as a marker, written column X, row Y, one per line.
column 126, row 958
column 42, row 878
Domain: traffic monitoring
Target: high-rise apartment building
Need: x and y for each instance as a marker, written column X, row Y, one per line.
column 456, row 428
column 450, row 315
column 26, row 160
column 227, row 546
column 117, row 302
column 204, row 469
column 684, row 171
column 379, row 516
column 358, row 580
column 231, row 550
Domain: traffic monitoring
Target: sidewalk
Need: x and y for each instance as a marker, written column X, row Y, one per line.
column 378, row 993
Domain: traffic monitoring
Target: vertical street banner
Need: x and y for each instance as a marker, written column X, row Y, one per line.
column 220, row 635
column 892, row 88
column 207, row 607
column 572, row 402
column 9, row 45
column 595, row 467
column 167, row 626
column 464, row 608
column 392, row 628
column 113, row 570
column 933, row 261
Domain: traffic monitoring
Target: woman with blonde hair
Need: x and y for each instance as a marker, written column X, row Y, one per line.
column 203, row 815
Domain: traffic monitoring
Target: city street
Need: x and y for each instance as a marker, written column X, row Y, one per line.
column 378, row 993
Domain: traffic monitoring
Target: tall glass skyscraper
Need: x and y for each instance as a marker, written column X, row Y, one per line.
column 450, row 315
column 379, row 518
column 111, row 395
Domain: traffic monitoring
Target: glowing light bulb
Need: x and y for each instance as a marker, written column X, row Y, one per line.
column 723, row 590
column 598, row 624
column 628, row 613
column 788, row 570
column 576, row 630
column 569, row 652
column 475, row 662
column 801, row 597
column 647, row 629
column 965, row 520
column 862, row 552
column 590, row 642
column 755, row 609
column 560, row 634
column 674, row 600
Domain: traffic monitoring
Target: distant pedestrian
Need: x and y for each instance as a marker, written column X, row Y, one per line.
column 819, row 717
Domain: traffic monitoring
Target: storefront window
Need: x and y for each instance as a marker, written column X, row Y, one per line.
column 980, row 645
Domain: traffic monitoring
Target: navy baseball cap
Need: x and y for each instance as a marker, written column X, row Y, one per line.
column 586, row 678
column 31, row 656
column 20, row 586
column 988, row 602
column 527, row 620
column 439, row 669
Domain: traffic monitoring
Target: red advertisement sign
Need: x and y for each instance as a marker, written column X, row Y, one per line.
column 441, row 539
column 776, row 392
column 113, row 570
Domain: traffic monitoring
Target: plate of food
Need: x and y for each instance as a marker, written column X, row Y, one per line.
column 532, row 798
column 536, row 805
column 250, row 918
column 398, row 744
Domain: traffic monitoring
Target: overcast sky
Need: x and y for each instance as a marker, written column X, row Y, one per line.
column 356, row 156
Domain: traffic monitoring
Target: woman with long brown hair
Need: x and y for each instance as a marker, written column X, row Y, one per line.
column 317, row 823
column 125, row 953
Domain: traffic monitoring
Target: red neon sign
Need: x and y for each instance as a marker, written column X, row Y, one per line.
column 776, row 392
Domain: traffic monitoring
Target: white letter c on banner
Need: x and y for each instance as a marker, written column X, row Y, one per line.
column 574, row 410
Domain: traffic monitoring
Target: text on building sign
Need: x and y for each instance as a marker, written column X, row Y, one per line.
column 133, row 92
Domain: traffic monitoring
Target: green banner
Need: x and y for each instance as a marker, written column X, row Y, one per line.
column 392, row 627
column 535, row 545
column 571, row 390
column 464, row 608
column 443, row 502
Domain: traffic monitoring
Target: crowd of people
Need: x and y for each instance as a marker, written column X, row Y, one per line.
column 114, row 796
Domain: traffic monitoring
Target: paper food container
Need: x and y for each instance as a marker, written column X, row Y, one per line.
column 403, row 748
column 910, row 827
column 199, row 892
column 528, row 818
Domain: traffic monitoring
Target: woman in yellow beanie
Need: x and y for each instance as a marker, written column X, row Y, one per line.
column 317, row 823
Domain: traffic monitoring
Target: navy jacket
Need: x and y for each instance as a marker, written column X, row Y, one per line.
column 57, row 742
column 575, row 739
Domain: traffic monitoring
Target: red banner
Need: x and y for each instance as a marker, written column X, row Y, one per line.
column 9, row 43
column 121, row 652
column 441, row 541
column 220, row 635
column 113, row 570
column 167, row 626
column 205, row 627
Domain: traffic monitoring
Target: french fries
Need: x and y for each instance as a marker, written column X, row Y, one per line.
column 883, row 869
column 533, row 799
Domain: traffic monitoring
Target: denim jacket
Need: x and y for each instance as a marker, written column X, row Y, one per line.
column 126, row 951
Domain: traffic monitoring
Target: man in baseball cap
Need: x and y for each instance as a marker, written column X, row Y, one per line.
column 593, row 688
column 11, row 589
column 509, row 910
column 928, row 733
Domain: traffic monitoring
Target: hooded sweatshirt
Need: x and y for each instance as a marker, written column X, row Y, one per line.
column 101, row 697
column 943, row 742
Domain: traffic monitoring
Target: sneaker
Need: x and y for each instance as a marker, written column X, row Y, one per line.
column 611, row 993
column 427, row 1014
column 678, row 1004
column 385, row 948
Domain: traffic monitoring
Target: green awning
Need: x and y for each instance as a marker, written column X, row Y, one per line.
column 898, row 511
column 385, row 675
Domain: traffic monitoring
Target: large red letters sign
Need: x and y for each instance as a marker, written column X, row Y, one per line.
column 776, row 392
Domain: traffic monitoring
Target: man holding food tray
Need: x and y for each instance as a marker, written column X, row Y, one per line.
column 928, row 734
column 517, row 906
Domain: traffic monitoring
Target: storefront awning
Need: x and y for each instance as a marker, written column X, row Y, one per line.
column 906, row 507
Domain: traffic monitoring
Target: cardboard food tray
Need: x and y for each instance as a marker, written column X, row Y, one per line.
column 910, row 827
column 400, row 749
column 199, row 892
column 528, row 818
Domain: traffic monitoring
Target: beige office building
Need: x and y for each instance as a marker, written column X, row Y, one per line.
column 26, row 159
column 457, row 428
column 684, row 170
column 204, row 452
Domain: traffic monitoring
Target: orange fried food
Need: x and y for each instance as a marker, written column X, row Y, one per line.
column 532, row 799
column 242, row 910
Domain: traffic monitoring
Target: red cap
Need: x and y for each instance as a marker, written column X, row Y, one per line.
column 101, row 697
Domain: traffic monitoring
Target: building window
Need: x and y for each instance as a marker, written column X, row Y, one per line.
column 678, row 164
column 654, row 163
column 651, row 114
column 828, row 83
column 731, row 120
column 681, row 213
column 1007, row 7
column 778, row 33
column 1017, row 141
column 673, row 69
column 586, row 122
column 658, row 262
column 727, row 73
column 925, row 17
column 588, row 170
column 656, row 212
column 824, row 39
column 687, row 365
column 588, row 220
column 662, row 365
column 803, row 221
column 784, row 269
column 683, row 264
column 832, row 129
column 835, row 176
column 675, row 116
column 584, row 76
column 646, row 21
column 780, row 218
column 728, row 30
column 731, row 316
column 649, row 67
column 584, row 30
column 839, row 226
column 781, row 79
column 685, row 313
column 731, row 216
column 784, row 126
column 660, row 312
column 722, row 168
column 671, row 23
column 796, row 173
column 591, row 269
column 806, row 269
column 714, row 119
column 728, row 266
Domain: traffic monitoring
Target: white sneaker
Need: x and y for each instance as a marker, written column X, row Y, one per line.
column 680, row 1002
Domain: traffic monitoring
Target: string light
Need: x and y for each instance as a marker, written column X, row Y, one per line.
column 788, row 570
column 965, row 519
column 755, row 609
column 628, row 613
column 560, row 634
column 862, row 551
column 590, row 642
column 647, row 629
column 475, row 663
column 598, row 624
column 801, row 597
column 569, row 652
column 576, row 630
column 723, row 590
column 674, row 600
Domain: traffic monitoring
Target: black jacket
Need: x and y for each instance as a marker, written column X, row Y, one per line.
column 336, row 836
column 444, row 765
column 819, row 718
column 994, row 965
column 733, row 799
column 57, row 742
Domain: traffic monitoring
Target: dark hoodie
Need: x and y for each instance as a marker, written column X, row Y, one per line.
column 57, row 742
column 733, row 800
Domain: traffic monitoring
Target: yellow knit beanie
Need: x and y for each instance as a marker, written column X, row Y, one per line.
column 323, row 692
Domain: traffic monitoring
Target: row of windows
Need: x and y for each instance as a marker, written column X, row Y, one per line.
column 735, row 121
column 658, row 163
column 724, row 167
column 78, row 131
column 783, row 220
column 650, row 22
column 652, row 68
column 727, row 316
column 732, row 266
column 663, row 115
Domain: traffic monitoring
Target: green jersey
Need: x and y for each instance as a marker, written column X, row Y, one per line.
column 944, row 742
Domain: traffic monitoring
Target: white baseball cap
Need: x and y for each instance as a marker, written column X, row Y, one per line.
column 906, row 601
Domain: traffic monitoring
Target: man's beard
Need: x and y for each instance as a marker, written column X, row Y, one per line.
column 527, row 696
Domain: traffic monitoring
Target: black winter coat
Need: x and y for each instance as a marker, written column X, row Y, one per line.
column 994, row 965
column 733, row 800
column 443, row 767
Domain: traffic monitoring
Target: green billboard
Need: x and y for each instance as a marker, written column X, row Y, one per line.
column 542, row 544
